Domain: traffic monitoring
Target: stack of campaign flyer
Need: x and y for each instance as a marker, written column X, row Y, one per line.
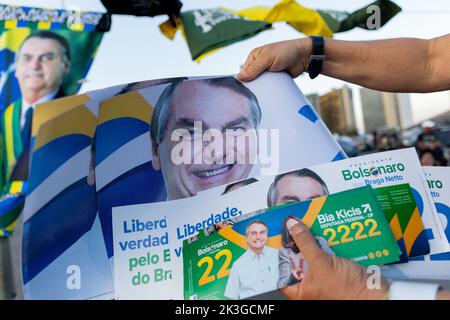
column 258, row 254
column 129, row 186
column 254, row 254
column 375, row 209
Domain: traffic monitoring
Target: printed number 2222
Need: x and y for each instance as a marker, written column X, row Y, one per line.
column 344, row 232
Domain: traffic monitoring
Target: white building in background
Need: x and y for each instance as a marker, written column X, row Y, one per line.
column 429, row 105
column 385, row 110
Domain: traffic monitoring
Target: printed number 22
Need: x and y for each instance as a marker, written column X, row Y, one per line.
column 223, row 271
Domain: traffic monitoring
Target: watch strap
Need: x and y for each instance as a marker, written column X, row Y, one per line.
column 317, row 56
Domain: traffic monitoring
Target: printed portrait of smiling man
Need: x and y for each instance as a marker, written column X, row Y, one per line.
column 42, row 62
column 297, row 185
column 223, row 104
column 256, row 271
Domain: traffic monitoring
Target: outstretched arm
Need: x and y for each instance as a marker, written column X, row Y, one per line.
column 396, row 65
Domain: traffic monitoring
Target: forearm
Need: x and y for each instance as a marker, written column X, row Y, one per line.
column 395, row 65
column 443, row 295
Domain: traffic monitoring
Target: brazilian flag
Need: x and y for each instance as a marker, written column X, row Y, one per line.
column 210, row 29
column 84, row 32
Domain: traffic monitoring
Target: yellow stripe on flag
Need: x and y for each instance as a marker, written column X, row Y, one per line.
column 168, row 29
column 76, row 27
column 395, row 227
column 16, row 187
column 305, row 20
column 252, row 13
column 235, row 237
column 199, row 58
column 413, row 230
column 11, row 226
column 48, row 110
column 77, row 120
column 13, row 38
column 313, row 210
column 44, row 25
column 275, row 242
column 10, row 24
column 118, row 107
column 9, row 135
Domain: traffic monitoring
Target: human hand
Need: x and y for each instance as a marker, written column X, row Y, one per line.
column 329, row 276
column 291, row 56
column 297, row 270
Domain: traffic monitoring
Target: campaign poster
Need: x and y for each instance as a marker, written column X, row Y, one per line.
column 267, row 125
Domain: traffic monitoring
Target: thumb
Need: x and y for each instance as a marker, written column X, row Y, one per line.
column 256, row 64
column 307, row 244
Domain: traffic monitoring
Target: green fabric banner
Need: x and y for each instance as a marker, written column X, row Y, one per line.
column 211, row 29
column 366, row 18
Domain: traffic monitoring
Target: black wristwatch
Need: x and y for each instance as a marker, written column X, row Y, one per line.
column 317, row 56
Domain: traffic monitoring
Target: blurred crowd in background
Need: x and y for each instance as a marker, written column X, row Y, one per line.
column 431, row 140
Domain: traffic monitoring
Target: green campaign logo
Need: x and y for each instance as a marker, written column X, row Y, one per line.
column 435, row 184
column 372, row 171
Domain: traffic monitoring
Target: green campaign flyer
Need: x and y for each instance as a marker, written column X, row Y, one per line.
column 403, row 216
column 257, row 255
column 433, row 266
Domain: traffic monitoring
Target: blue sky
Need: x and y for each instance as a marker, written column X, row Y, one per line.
column 135, row 50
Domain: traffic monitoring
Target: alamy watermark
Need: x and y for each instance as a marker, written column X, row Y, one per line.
column 232, row 146
column 373, row 22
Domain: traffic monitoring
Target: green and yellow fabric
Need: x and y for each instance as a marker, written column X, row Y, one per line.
column 11, row 149
column 207, row 30
column 13, row 145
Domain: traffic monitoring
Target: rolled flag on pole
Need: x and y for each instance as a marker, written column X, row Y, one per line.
column 10, row 207
column 210, row 29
